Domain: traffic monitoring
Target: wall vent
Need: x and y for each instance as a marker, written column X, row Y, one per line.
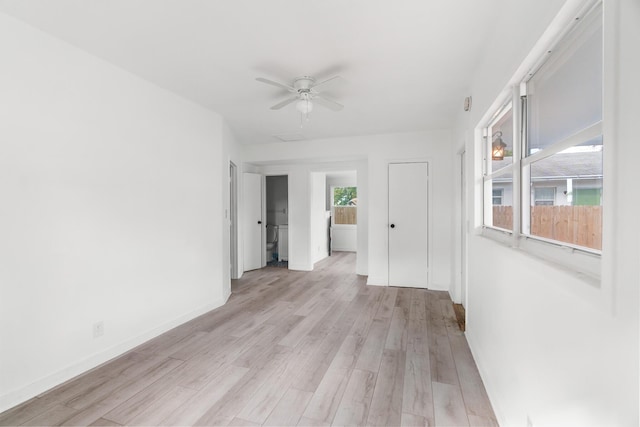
column 290, row 137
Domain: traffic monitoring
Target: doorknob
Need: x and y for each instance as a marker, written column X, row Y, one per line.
column 259, row 222
column 392, row 226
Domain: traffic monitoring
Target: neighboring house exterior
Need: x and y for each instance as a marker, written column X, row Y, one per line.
column 566, row 179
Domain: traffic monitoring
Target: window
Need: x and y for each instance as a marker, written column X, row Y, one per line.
column 552, row 143
column 587, row 197
column 345, row 205
column 497, row 196
column 498, row 180
column 544, row 196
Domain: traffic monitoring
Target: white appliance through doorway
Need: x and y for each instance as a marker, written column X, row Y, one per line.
column 408, row 224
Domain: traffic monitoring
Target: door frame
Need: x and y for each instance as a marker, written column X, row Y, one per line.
column 464, row 280
column 233, row 220
column 429, row 162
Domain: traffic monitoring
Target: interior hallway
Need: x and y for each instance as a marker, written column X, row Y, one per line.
column 289, row 348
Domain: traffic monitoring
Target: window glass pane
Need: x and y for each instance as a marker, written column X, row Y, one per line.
column 544, row 196
column 502, row 213
column 587, row 196
column 501, row 142
column 566, row 196
column 565, row 95
column 498, row 193
column 345, row 201
column 345, row 196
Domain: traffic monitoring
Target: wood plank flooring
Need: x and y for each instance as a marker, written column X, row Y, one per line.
column 289, row 348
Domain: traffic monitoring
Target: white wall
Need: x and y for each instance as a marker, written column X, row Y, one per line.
column 377, row 151
column 552, row 346
column 344, row 237
column 111, row 211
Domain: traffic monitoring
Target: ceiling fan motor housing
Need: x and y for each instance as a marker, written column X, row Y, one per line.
column 303, row 84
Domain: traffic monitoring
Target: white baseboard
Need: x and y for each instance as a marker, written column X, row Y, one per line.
column 300, row 267
column 439, row 287
column 377, row 281
column 225, row 297
column 320, row 258
column 15, row 397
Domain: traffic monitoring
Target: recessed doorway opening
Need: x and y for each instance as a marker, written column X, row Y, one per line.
column 277, row 226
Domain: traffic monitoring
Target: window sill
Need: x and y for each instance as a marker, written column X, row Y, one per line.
column 498, row 234
column 582, row 264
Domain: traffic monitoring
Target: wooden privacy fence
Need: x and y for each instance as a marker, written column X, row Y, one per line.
column 503, row 217
column 345, row 214
column 578, row 225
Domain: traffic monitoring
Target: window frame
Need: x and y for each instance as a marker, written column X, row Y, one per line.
column 488, row 177
column 577, row 258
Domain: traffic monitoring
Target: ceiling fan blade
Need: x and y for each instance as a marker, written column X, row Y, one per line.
column 272, row 83
column 284, row 103
column 325, row 81
column 328, row 102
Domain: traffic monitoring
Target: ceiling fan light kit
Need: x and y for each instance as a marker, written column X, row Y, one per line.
column 304, row 106
column 305, row 92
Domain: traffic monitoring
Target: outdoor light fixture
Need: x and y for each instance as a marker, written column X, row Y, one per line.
column 497, row 147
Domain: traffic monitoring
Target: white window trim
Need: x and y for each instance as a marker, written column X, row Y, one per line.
column 586, row 134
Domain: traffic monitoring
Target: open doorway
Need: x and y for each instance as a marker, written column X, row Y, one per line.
column 342, row 201
column 277, row 227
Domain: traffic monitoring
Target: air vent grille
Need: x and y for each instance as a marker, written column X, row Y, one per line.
column 290, row 137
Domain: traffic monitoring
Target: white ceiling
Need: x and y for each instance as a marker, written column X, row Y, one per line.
column 406, row 64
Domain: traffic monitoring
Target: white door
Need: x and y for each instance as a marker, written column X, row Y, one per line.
column 408, row 201
column 252, row 195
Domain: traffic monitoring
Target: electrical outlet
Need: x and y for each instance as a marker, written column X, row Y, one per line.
column 98, row 329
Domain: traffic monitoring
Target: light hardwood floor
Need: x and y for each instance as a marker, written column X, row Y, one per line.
column 289, row 348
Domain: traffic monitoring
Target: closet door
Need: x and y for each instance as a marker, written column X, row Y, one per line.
column 408, row 224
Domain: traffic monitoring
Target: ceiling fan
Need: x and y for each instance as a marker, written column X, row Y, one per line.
column 305, row 94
